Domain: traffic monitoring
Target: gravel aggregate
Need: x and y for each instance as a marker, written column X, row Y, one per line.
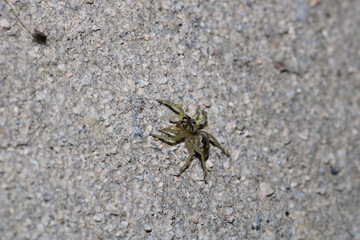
column 280, row 81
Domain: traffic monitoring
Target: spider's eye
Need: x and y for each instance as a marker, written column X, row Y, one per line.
column 188, row 127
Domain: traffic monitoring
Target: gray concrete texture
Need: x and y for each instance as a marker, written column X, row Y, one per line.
column 279, row 79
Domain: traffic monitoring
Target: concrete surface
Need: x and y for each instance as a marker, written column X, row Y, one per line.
column 279, row 79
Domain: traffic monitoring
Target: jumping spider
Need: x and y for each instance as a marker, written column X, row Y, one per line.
column 187, row 129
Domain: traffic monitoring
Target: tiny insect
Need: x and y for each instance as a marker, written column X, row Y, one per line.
column 37, row 36
column 188, row 129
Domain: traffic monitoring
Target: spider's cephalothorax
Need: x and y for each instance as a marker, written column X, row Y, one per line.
column 188, row 124
column 187, row 129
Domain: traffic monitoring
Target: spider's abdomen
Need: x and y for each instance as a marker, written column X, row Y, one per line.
column 202, row 141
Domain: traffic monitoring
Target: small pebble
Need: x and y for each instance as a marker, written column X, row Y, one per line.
column 142, row 83
column 246, row 98
column 229, row 211
column 230, row 218
column 207, row 104
column 61, row 67
column 304, row 135
column 279, row 65
column 4, row 23
column 99, row 235
column 68, row 75
column 146, row 36
column 209, row 164
column 162, row 81
column 265, row 190
column 98, row 217
column 268, row 236
column 194, row 219
column 147, row 228
column 245, row 20
column 239, row 27
column 123, row 224
column 256, row 223
column 313, row 3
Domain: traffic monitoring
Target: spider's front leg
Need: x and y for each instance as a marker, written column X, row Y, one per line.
column 197, row 113
column 173, row 134
column 170, row 131
column 203, row 120
column 171, row 140
column 176, row 107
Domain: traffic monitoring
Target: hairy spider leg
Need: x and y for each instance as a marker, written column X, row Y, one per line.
column 169, row 130
column 197, row 113
column 167, row 139
column 203, row 166
column 217, row 144
column 203, row 120
column 188, row 159
column 202, row 157
column 175, row 107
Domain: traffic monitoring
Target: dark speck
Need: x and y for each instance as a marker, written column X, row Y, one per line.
column 80, row 199
column 279, row 65
column 334, row 170
column 155, row 147
column 139, row 177
column 195, row 22
column 47, row 197
column 39, row 37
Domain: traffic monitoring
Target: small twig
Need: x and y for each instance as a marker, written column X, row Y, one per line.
column 37, row 36
column 12, row 10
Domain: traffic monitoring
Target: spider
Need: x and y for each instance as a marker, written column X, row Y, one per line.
column 187, row 129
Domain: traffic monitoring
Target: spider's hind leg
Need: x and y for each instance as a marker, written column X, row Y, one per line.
column 203, row 159
column 213, row 139
column 187, row 162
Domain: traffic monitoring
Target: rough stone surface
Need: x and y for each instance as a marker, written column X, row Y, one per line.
column 280, row 81
column 265, row 190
